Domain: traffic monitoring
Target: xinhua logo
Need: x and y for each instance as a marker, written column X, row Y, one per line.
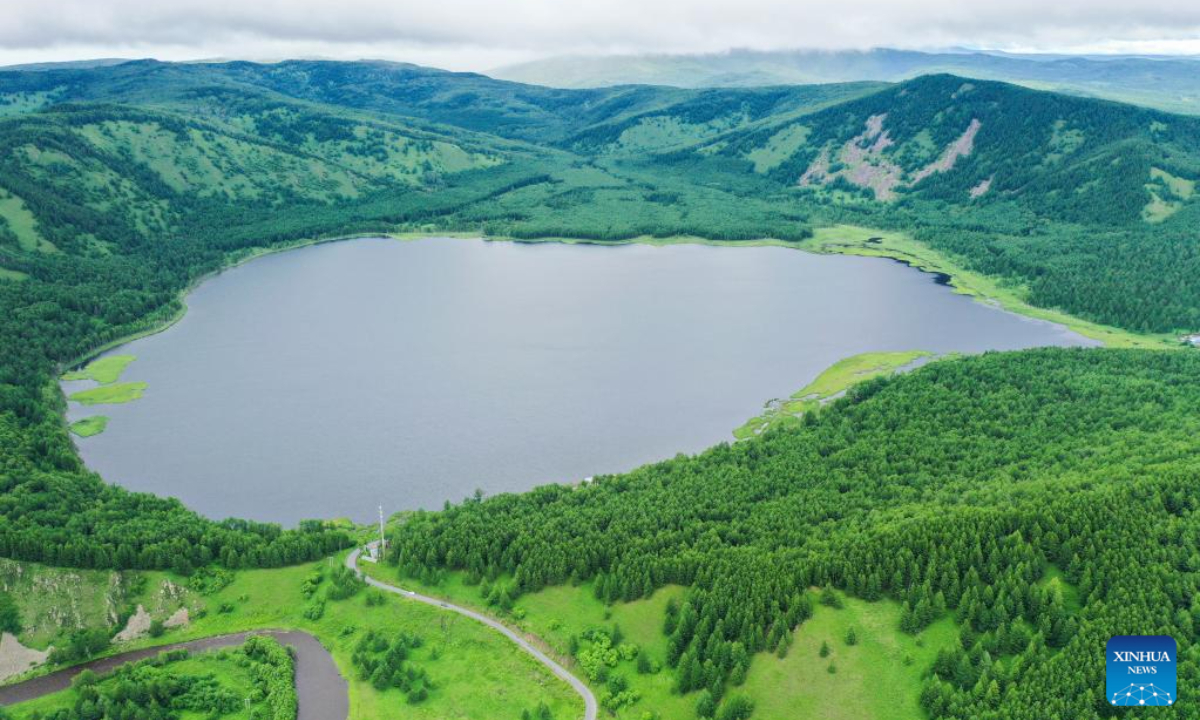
column 1141, row 670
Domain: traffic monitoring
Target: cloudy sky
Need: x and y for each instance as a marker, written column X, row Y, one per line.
column 482, row 34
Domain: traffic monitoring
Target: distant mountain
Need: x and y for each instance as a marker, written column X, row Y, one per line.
column 1167, row 83
column 1090, row 204
column 64, row 65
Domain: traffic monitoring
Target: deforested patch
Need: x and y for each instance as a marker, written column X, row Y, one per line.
column 961, row 147
column 982, row 187
column 863, row 161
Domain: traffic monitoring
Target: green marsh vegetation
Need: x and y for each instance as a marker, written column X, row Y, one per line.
column 110, row 394
column 89, row 426
column 103, row 370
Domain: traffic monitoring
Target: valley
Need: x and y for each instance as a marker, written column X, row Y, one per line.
column 952, row 541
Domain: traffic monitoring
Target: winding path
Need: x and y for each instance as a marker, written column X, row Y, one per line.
column 320, row 688
column 589, row 700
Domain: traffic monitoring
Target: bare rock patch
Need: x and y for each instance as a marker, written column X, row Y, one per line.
column 138, row 625
column 15, row 658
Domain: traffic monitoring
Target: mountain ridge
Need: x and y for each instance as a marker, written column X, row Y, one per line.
column 1165, row 82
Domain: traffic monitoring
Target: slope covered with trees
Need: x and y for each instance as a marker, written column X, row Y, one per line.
column 953, row 489
column 1086, row 205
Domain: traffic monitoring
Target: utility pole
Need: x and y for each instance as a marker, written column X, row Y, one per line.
column 382, row 539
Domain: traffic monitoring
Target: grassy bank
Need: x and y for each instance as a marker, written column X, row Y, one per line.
column 834, row 381
column 853, row 240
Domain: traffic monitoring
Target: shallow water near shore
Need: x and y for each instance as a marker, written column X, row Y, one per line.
column 326, row 381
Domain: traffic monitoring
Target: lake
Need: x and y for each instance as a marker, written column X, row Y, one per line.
column 326, row 381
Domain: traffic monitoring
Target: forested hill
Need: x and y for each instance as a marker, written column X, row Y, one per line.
column 1089, row 206
column 960, row 488
column 954, row 140
column 467, row 100
column 121, row 184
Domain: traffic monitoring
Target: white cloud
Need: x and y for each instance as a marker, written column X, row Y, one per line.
column 463, row 34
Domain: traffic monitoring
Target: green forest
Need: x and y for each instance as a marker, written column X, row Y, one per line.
column 955, row 490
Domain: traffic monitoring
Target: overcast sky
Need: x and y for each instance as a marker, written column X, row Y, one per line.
column 482, row 34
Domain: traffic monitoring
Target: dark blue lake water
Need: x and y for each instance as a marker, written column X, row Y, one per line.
column 325, row 381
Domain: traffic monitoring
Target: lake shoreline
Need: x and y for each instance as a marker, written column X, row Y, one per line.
column 861, row 285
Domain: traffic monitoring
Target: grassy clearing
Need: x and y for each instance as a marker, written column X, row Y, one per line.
column 20, row 222
column 781, row 146
column 26, row 101
column 110, row 394
column 835, row 380
column 875, row 672
column 1070, row 594
column 558, row 613
column 879, row 677
column 1158, row 209
column 105, row 370
column 667, row 133
column 853, row 240
column 1168, row 194
column 554, row 615
column 1181, row 188
column 89, row 426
